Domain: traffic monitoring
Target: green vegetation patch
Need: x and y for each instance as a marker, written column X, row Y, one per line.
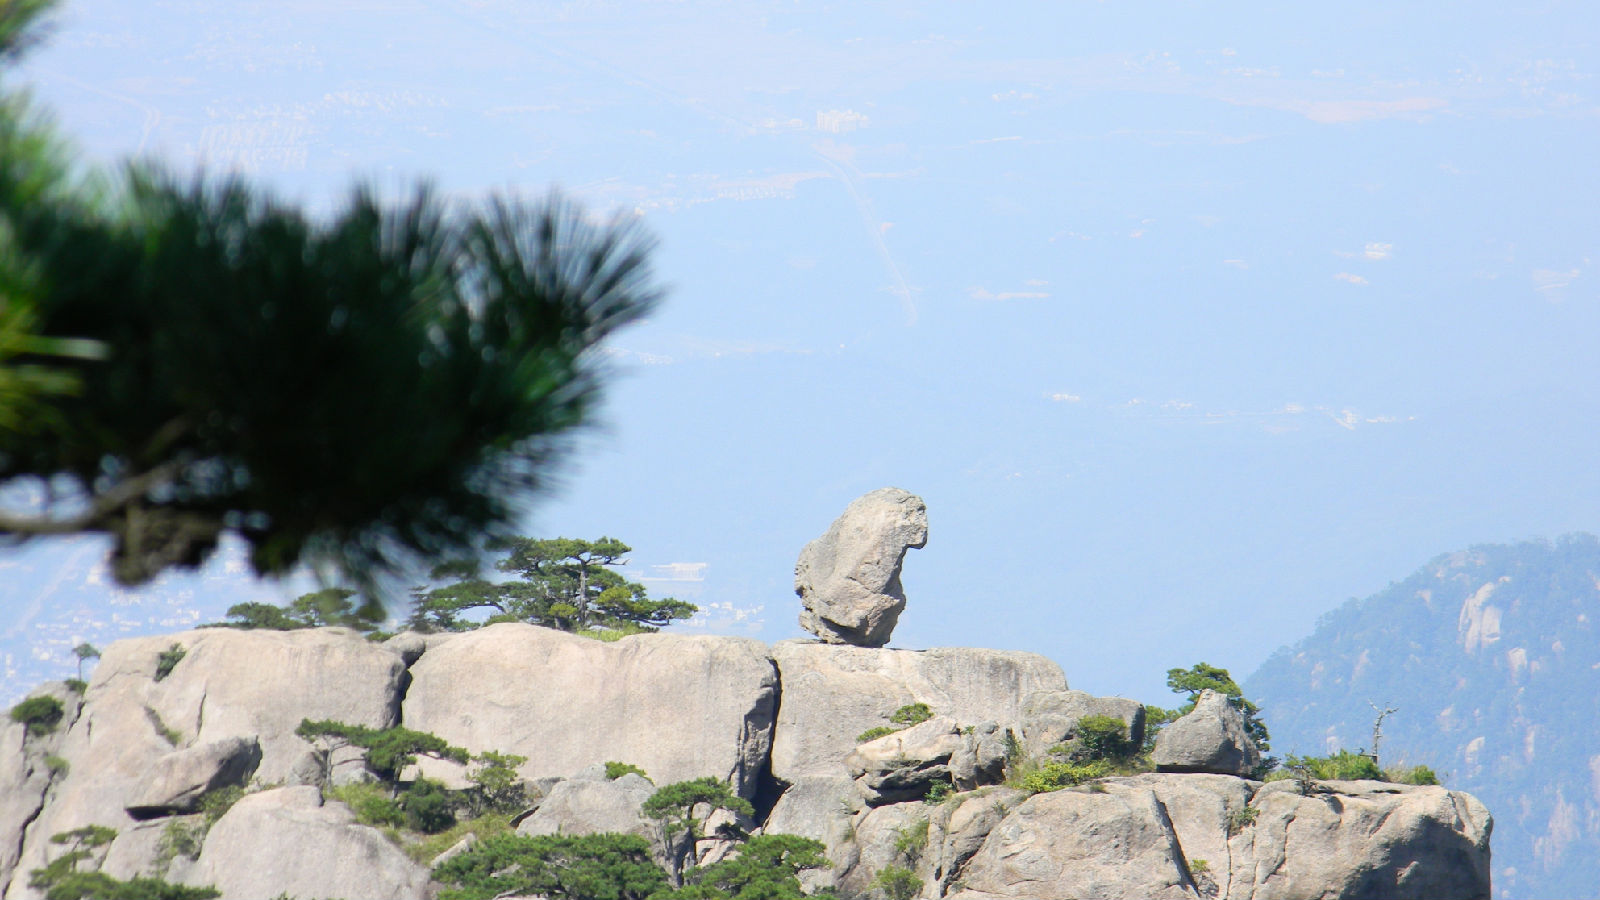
column 1040, row 778
column 41, row 714
column 560, row 867
column 615, row 770
column 168, row 660
column 61, row 880
column 898, row 883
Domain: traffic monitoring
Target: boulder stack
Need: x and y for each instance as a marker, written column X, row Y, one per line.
column 849, row 579
column 1212, row 738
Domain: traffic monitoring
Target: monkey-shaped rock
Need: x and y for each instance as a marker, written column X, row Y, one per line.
column 849, row 579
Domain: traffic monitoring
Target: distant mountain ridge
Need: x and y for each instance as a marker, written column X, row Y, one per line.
column 1490, row 655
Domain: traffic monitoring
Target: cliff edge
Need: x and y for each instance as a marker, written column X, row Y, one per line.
column 168, row 721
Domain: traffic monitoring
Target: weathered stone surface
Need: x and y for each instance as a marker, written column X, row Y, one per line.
column 408, row 645
column 982, row 757
column 286, row 842
column 1211, row 738
column 831, row 694
column 959, row 827
column 1363, row 839
column 1200, row 808
column 677, row 706
column 849, row 578
column 905, row 765
column 177, row 781
column 1075, row 843
column 880, row 835
column 823, row 808
column 140, row 851
column 671, row 704
column 586, row 805
column 25, row 775
column 1050, row 717
column 230, row 683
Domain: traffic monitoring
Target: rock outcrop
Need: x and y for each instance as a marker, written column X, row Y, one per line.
column 849, row 579
column 178, row 780
column 590, row 803
column 831, row 694
column 138, row 753
column 676, row 706
column 1210, row 738
column 1051, row 717
column 212, row 685
column 288, row 842
column 907, row 764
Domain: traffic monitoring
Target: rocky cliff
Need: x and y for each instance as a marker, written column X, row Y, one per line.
column 154, row 733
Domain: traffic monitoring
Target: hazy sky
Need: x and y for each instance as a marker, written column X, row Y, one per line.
column 1189, row 320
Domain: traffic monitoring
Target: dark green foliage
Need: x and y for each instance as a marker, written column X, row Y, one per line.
column 562, row 583
column 938, row 792
column 766, row 868
column 172, row 735
column 496, row 786
column 1053, row 776
column 897, row 883
column 84, row 651
column 1341, row 766
column 168, row 660
column 561, row 867
column 77, row 685
column 1101, row 738
column 215, row 803
column 875, row 732
column 100, row 886
column 85, row 837
column 1243, row 818
column 41, row 714
column 371, row 803
column 674, row 805
column 1201, row 677
column 264, row 616
column 1155, row 718
column 179, row 838
column 674, row 808
column 1420, row 775
column 61, row 880
column 385, row 383
column 911, row 714
column 327, row 607
column 615, row 770
column 910, row 840
column 903, row 718
column 56, row 764
column 389, row 750
column 428, row 807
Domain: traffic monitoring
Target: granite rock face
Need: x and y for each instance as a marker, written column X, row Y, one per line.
column 224, row 684
column 590, row 804
column 849, row 578
column 905, row 765
column 686, row 707
column 1363, row 839
column 677, row 706
column 1211, row 738
column 297, row 846
column 1051, row 717
column 26, row 773
column 831, row 694
column 178, row 780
